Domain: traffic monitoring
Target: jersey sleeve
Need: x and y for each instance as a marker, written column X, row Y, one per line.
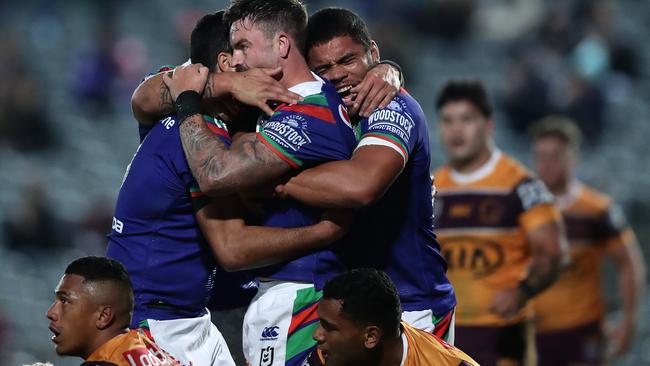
column 537, row 204
column 392, row 127
column 305, row 134
column 616, row 228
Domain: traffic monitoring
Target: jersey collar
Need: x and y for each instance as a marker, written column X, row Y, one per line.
column 308, row 87
column 480, row 173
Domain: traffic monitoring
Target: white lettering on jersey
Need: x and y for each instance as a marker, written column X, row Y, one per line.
column 118, row 225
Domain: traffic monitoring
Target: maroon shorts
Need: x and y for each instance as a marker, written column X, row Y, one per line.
column 583, row 345
column 492, row 345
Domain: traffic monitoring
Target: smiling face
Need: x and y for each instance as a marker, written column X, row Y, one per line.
column 342, row 61
column 72, row 317
column 252, row 47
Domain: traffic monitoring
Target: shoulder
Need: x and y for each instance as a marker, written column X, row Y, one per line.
column 596, row 200
column 441, row 176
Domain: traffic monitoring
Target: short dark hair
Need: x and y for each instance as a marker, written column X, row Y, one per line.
column 559, row 127
column 329, row 23
column 471, row 90
column 368, row 296
column 209, row 37
column 103, row 269
column 272, row 16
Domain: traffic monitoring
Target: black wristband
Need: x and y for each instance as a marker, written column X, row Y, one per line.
column 526, row 289
column 187, row 104
column 397, row 66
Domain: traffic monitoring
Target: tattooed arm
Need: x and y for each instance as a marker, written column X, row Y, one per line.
column 221, row 169
column 218, row 168
column 153, row 100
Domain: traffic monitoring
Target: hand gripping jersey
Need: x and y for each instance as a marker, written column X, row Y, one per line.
column 424, row 349
column 155, row 234
column 133, row 348
column 481, row 220
column 396, row 234
column 595, row 226
column 306, row 134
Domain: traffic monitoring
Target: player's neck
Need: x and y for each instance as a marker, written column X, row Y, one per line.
column 392, row 353
column 562, row 188
column 102, row 338
column 295, row 71
column 471, row 165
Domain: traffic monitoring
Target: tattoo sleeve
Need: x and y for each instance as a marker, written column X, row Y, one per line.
column 221, row 169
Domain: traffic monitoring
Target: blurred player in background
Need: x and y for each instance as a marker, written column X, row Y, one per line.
column 498, row 229
column 360, row 325
column 570, row 313
column 388, row 173
column 91, row 314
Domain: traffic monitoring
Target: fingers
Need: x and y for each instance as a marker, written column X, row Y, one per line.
column 361, row 90
column 374, row 102
column 265, row 108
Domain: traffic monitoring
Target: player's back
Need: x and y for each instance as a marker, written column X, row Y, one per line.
column 396, row 233
column 311, row 132
column 594, row 227
column 481, row 220
column 155, row 234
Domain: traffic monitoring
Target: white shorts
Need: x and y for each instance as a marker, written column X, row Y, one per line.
column 443, row 327
column 279, row 323
column 192, row 341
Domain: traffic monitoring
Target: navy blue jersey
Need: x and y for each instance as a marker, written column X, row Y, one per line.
column 306, row 134
column 155, row 234
column 396, row 233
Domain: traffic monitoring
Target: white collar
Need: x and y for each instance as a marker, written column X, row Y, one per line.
column 565, row 200
column 308, row 87
column 480, row 173
column 405, row 346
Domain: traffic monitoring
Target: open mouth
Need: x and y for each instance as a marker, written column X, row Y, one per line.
column 56, row 334
column 344, row 91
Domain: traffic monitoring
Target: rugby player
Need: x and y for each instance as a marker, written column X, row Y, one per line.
column 91, row 313
column 156, row 233
column 360, row 325
column 389, row 171
column 498, row 229
column 570, row 314
column 271, row 34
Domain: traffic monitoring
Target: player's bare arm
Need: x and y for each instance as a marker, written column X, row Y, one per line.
column 357, row 182
column 380, row 85
column 238, row 246
column 152, row 99
column 218, row 168
column 548, row 246
column 631, row 272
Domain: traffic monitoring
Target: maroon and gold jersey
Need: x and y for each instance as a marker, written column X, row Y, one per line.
column 422, row 349
column 133, row 348
column 595, row 226
column 482, row 221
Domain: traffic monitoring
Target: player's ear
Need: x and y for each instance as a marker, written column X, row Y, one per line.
column 372, row 336
column 224, row 62
column 374, row 53
column 105, row 316
column 283, row 42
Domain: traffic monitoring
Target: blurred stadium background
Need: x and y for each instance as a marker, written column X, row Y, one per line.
column 68, row 69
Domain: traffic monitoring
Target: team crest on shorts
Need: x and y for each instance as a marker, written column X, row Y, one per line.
column 266, row 357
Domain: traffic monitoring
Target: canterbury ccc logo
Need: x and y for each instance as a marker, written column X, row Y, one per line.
column 479, row 256
column 270, row 332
